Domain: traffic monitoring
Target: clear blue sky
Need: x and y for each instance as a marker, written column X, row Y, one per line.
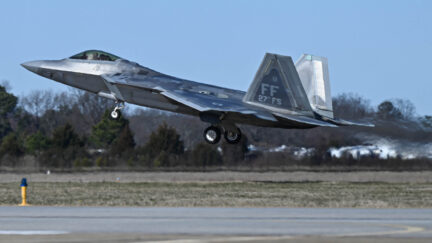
column 378, row 49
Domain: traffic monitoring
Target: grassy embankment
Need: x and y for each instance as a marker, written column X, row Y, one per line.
column 223, row 194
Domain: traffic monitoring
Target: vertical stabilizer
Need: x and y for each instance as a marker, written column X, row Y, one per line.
column 277, row 87
column 314, row 75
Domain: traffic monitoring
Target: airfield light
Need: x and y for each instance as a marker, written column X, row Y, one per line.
column 24, row 192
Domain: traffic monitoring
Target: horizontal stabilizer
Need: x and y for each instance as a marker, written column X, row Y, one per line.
column 341, row 122
column 303, row 120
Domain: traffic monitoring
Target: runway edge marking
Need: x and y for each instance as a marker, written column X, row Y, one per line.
column 221, row 239
column 404, row 229
column 32, row 232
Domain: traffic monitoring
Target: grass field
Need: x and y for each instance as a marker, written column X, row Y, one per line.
column 223, row 194
column 225, row 176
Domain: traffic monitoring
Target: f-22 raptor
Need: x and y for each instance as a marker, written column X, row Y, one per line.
column 282, row 94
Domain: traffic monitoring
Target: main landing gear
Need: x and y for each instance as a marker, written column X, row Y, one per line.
column 232, row 137
column 212, row 135
column 115, row 114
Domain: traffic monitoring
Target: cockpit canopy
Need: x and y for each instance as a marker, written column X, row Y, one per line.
column 95, row 55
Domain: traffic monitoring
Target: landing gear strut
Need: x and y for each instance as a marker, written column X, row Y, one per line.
column 115, row 114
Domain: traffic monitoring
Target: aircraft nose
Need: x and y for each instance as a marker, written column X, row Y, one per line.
column 32, row 66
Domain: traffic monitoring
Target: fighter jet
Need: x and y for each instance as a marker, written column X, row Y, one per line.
column 282, row 94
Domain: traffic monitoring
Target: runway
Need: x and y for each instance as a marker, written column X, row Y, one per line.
column 210, row 224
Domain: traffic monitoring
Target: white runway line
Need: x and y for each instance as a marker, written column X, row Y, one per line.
column 222, row 239
column 32, row 232
column 403, row 229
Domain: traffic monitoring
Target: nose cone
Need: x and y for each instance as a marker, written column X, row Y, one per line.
column 32, row 66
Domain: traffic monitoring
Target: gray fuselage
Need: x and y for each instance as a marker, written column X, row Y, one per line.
column 88, row 75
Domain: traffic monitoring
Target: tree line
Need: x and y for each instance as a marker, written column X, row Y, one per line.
column 67, row 130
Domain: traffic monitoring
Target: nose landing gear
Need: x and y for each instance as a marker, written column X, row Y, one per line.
column 115, row 114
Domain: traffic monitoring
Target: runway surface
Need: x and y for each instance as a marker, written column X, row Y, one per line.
column 210, row 224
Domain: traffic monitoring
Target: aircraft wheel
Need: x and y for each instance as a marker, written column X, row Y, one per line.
column 212, row 135
column 232, row 137
column 115, row 114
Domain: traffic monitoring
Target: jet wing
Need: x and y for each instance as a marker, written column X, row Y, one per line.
column 204, row 101
column 201, row 100
column 209, row 103
column 204, row 104
column 212, row 101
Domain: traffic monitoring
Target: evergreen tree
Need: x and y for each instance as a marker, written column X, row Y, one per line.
column 66, row 146
column 8, row 103
column 36, row 142
column 164, row 139
column 11, row 146
column 205, row 155
column 163, row 144
column 64, row 137
column 233, row 154
column 5, row 127
column 107, row 130
column 124, row 143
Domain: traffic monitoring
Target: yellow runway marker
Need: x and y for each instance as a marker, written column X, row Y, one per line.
column 24, row 192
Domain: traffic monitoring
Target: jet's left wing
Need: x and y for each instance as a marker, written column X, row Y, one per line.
column 205, row 101
column 214, row 104
column 204, row 104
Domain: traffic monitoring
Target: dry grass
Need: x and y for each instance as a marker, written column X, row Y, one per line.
column 223, row 194
column 225, row 176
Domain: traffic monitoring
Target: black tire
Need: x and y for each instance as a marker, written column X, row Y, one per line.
column 232, row 137
column 212, row 134
column 115, row 114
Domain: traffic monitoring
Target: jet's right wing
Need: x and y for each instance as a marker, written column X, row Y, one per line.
column 204, row 100
column 200, row 99
column 214, row 104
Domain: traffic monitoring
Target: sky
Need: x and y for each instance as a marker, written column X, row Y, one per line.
column 377, row 49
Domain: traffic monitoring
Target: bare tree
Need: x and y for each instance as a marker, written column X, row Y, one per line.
column 406, row 108
column 351, row 106
column 38, row 101
column 91, row 106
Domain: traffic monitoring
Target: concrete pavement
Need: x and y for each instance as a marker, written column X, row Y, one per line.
column 211, row 224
